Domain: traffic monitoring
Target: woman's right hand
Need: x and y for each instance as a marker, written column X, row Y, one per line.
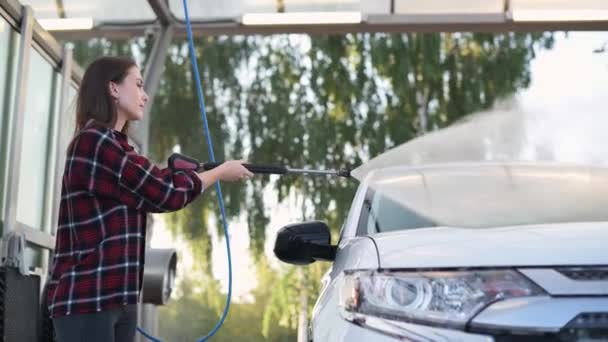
column 233, row 170
column 228, row 171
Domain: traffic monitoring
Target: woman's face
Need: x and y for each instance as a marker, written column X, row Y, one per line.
column 130, row 96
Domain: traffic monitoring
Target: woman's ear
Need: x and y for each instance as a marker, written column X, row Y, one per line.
column 113, row 89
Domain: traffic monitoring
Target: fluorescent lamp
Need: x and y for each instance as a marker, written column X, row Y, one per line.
column 435, row 19
column 68, row 24
column 414, row 7
column 301, row 18
column 559, row 15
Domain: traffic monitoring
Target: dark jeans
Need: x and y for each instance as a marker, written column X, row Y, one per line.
column 114, row 325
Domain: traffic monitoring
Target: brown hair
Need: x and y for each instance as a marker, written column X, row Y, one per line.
column 94, row 99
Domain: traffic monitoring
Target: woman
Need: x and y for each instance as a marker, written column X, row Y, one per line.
column 107, row 190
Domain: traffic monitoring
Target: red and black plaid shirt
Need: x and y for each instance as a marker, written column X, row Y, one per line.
column 106, row 192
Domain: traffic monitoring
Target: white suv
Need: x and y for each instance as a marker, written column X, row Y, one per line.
column 464, row 252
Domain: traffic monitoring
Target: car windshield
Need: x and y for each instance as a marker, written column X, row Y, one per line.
column 484, row 196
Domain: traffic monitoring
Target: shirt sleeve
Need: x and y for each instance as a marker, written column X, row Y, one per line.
column 105, row 168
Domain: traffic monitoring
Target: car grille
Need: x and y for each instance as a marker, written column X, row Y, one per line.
column 585, row 274
column 567, row 335
column 592, row 320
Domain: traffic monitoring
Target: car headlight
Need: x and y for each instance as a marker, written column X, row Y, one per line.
column 449, row 299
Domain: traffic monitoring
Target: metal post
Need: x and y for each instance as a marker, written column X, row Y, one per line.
column 16, row 128
column 508, row 11
column 149, row 319
column 5, row 127
column 303, row 316
column 56, row 166
column 148, row 315
column 152, row 75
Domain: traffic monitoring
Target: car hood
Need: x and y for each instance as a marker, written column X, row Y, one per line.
column 540, row 245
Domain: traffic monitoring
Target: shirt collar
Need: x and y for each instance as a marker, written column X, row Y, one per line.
column 122, row 138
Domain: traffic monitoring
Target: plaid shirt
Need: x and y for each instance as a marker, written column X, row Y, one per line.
column 106, row 192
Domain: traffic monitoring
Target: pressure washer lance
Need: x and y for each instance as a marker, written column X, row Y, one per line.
column 178, row 161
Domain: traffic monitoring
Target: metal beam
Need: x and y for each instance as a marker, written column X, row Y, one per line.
column 48, row 43
column 12, row 7
column 5, row 122
column 162, row 11
column 77, row 73
column 382, row 23
column 375, row 24
column 36, row 237
column 60, row 9
column 17, row 122
column 55, row 165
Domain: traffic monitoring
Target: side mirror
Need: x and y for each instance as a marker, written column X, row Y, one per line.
column 304, row 243
column 159, row 275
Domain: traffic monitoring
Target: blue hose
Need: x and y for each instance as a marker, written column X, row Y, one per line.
column 201, row 103
column 148, row 336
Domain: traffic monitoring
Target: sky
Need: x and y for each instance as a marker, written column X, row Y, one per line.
column 565, row 108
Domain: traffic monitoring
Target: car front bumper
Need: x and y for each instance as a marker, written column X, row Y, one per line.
column 379, row 330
